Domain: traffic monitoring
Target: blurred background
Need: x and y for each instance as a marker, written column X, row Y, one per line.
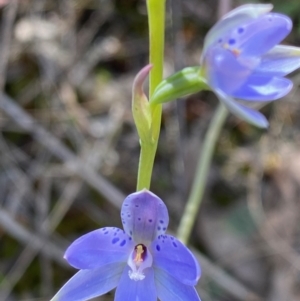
column 69, row 149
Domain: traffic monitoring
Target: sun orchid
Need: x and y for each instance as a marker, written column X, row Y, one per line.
column 142, row 261
column 241, row 59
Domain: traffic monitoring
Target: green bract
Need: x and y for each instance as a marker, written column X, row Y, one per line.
column 187, row 81
column 140, row 105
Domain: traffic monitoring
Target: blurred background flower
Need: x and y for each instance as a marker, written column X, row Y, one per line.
column 241, row 59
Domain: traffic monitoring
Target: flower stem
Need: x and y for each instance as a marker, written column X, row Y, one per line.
column 156, row 20
column 199, row 183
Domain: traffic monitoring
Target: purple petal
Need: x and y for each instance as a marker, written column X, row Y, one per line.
column 99, row 247
column 170, row 255
column 140, row 290
column 87, row 284
column 168, row 288
column 144, row 216
column 263, row 88
column 280, row 61
column 234, row 19
column 241, row 111
column 259, row 36
column 225, row 72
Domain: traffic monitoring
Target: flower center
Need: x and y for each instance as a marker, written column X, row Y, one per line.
column 139, row 259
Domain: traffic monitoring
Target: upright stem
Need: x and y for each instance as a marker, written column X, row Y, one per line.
column 156, row 20
column 198, row 187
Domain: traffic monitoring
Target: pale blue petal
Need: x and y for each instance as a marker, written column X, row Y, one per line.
column 280, row 61
column 261, row 35
column 99, row 247
column 232, row 20
column 87, row 284
column 141, row 290
column 170, row 289
column 144, row 216
column 241, row 111
column 263, row 88
column 251, row 10
column 225, row 72
column 170, row 255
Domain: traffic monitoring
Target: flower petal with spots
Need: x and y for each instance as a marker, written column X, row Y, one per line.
column 144, row 216
column 99, row 247
column 176, row 259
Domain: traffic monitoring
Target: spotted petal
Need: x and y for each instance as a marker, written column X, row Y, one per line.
column 280, row 61
column 168, row 288
column 243, row 112
column 261, row 35
column 141, row 290
column 144, row 216
column 170, row 255
column 87, row 284
column 233, row 19
column 263, row 88
column 98, row 248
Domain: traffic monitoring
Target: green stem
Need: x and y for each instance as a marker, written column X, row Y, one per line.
column 198, row 187
column 146, row 162
column 156, row 20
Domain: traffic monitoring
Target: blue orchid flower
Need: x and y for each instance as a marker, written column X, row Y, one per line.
column 142, row 261
column 241, row 59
